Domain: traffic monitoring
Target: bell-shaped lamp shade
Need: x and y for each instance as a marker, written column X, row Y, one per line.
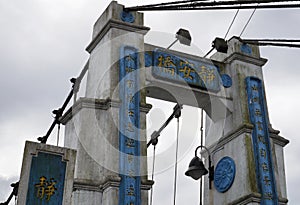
column 196, row 169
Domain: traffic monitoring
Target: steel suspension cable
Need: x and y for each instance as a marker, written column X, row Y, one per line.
column 152, row 175
column 231, row 23
column 201, row 143
column 247, row 22
column 176, row 158
column 58, row 132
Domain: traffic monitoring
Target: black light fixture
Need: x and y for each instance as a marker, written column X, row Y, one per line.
column 183, row 36
column 220, row 45
column 197, row 169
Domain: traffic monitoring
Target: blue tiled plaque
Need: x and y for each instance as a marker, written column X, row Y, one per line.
column 46, row 180
column 129, row 136
column 195, row 73
column 47, row 175
column 261, row 141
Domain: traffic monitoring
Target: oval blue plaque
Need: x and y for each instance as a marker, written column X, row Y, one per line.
column 224, row 174
column 226, row 80
column 127, row 17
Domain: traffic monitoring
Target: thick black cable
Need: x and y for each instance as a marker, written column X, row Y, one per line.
column 271, row 40
column 162, row 4
column 156, row 134
column 208, row 52
column 214, row 5
column 289, row 45
column 236, row 13
column 281, row 6
column 196, row 3
column 13, row 193
column 247, row 22
column 58, row 113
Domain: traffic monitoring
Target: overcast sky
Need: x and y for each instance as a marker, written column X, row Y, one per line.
column 42, row 46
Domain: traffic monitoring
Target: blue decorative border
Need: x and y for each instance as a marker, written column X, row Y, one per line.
column 261, row 141
column 224, row 174
column 129, row 136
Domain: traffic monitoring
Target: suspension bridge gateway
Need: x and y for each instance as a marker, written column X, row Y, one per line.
column 107, row 127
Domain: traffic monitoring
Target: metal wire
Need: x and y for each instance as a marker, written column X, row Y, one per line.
column 208, row 52
column 213, row 5
column 58, row 132
column 231, row 23
column 152, row 176
column 201, row 143
column 163, row 4
column 271, row 40
column 277, row 44
column 247, row 22
column 176, row 158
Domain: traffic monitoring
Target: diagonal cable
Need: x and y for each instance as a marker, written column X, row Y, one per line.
column 231, row 23
column 247, row 22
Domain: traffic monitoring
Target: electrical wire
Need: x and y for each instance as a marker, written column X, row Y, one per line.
column 271, row 40
column 247, row 22
column 276, row 44
column 164, row 4
column 176, row 158
column 236, row 13
column 213, row 5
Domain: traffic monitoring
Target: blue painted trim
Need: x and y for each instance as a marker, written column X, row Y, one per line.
column 129, row 125
column 127, row 17
column 47, row 174
column 261, row 141
column 224, row 174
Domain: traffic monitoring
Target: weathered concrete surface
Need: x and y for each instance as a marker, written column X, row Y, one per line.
column 232, row 136
column 92, row 124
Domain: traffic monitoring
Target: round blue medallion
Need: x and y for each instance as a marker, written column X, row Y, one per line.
column 226, row 80
column 127, row 17
column 224, row 174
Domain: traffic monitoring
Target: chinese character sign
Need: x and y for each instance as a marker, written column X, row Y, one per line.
column 261, row 141
column 129, row 193
column 46, row 180
column 193, row 72
column 45, row 189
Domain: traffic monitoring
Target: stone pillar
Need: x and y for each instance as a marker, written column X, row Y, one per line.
column 247, row 152
column 92, row 124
